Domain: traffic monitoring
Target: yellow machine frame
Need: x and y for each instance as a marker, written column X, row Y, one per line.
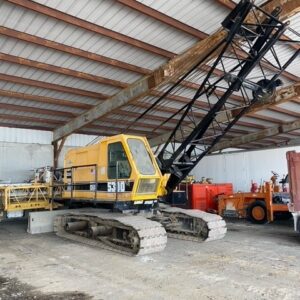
column 24, row 197
column 87, row 168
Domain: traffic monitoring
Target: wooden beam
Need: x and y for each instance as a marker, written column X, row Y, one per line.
column 61, row 16
column 227, row 3
column 256, row 136
column 71, row 50
column 57, row 147
column 167, row 72
column 24, row 118
column 289, row 7
column 51, row 86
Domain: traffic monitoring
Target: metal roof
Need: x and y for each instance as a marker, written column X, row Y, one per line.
column 53, row 69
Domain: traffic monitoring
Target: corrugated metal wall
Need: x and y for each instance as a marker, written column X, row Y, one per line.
column 22, row 150
column 17, row 160
column 241, row 168
column 17, row 135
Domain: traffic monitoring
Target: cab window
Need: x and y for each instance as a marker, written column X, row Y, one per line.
column 141, row 157
column 117, row 155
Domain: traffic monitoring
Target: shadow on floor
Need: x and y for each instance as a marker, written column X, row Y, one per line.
column 11, row 288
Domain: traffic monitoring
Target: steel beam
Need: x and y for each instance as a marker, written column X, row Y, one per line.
column 163, row 18
column 43, row 99
column 169, row 71
column 71, row 50
column 191, row 30
column 60, row 70
column 173, row 69
column 108, row 130
column 54, row 13
column 51, row 86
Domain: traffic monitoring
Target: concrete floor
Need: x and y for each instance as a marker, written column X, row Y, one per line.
column 252, row 262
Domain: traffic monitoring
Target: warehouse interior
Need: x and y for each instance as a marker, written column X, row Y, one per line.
column 149, row 149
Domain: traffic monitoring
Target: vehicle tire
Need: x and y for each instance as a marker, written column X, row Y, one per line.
column 257, row 212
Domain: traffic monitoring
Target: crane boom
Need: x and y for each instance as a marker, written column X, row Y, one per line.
column 237, row 77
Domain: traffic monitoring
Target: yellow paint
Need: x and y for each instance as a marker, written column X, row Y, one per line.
column 96, row 156
column 25, row 197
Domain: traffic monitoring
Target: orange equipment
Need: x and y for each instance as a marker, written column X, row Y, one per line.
column 199, row 196
column 258, row 207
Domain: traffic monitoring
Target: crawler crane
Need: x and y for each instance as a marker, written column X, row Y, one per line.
column 122, row 170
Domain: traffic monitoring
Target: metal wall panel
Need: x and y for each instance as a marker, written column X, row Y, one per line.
column 241, row 168
column 17, row 135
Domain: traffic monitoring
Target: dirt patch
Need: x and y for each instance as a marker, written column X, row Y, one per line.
column 11, row 288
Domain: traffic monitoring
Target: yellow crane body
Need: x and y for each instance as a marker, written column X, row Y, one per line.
column 121, row 168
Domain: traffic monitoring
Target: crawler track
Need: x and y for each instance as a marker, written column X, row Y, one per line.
column 130, row 235
column 191, row 224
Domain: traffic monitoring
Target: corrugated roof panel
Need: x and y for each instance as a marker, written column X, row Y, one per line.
column 295, row 25
column 46, row 55
column 292, row 106
column 55, row 78
column 14, row 101
column 284, row 52
column 197, row 14
column 244, row 127
column 280, row 116
column 32, row 114
column 119, row 18
column 18, row 135
column 20, row 123
column 127, row 21
column 33, row 23
column 15, row 87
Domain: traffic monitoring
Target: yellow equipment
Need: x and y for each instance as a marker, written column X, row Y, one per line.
column 16, row 199
column 121, row 171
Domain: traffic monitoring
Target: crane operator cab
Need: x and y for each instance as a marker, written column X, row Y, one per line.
column 119, row 170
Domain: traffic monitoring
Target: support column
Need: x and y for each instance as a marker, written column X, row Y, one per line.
column 57, row 147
